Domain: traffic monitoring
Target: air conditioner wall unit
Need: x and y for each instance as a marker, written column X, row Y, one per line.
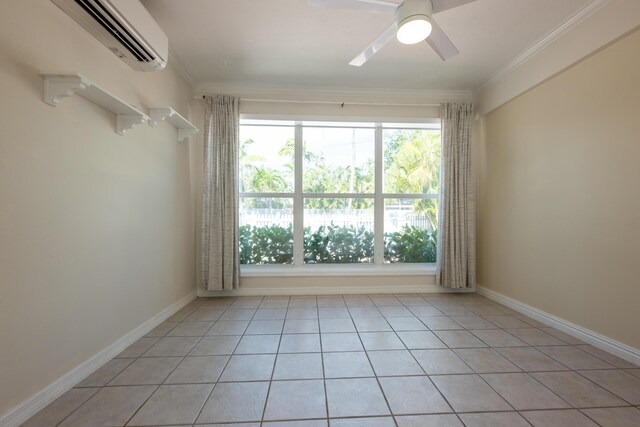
column 125, row 27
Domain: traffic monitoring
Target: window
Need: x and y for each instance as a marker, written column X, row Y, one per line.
column 338, row 193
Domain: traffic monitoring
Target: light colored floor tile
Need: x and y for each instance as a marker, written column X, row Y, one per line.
column 440, row 323
column 296, row 400
column 149, row 370
column 577, row 390
column 523, row 392
column 205, row 315
column 300, row 343
column 162, row 329
column 336, row 325
column 562, row 418
column 358, row 301
column 222, row 406
column 60, row 408
column 486, row 360
column 355, row 398
column 347, row 365
column 215, row 345
column 341, row 342
column 411, row 300
column 172, row 404
column 442, row 420
column 530, row 360
column 618, row 382
column 198, row 369
column 364, row 312
column 363, row 422
column 302, row 313
column 274, row 302
column 607, row 357
column 505, row 321
column 535, row 337
column 469, row 393
column 249, row 367
column 385, row 301
column 574, row 358
column 105, row 373
column 615, row 417
column 172, row 346
column 459, row 339
column 298, row 366
column 494, row 419
column 301, row 326
column 441, row 362
column 302, row 302
column 634, row 372
column 239, row 314
column 190, row 329
column 406, row 324
column 138, row 348
column 270, row 313
column 381, row 341
column 265, row 327
column 247, row 302
column 304, row 423
column 333, row 313
column 258, row 344
column 394, row 311
column 394, row 362
column 498, row 338
column 413, row 395
column 425, row 310
column 228, row 327
column 372, row 324
column 562, row 336
column 473, row 322
column 420, row 340
column 111, row 406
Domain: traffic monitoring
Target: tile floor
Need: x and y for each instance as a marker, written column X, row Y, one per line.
column 428, row 360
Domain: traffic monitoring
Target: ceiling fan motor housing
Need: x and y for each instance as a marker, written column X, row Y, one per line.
column 412, row 10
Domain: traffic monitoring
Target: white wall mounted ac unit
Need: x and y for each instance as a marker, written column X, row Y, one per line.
column 123, row 26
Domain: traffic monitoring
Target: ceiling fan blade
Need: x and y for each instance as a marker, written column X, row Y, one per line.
column 380, row 6
column 439, row 42
column 440, row 5
column 374, row 47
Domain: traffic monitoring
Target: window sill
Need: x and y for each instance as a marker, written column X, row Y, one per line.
column 337, row 270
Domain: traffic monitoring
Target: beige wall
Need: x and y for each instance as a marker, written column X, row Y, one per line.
column 559, row 202
column 96, row 229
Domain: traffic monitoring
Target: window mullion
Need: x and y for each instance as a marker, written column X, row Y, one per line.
column 378, row 205
column 298, row 203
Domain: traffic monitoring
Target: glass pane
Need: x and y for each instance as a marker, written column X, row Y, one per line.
column 266, row 159
column 338, row 160
column 411, row 161
column 338, row 231
column 266, row 230
column 410, row 230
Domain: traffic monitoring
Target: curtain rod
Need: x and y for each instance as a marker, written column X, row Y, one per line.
column 340, row 103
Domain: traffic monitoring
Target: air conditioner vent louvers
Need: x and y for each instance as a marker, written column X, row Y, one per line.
column 102, row 15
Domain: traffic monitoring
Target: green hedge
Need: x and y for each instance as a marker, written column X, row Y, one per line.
column 332, row 244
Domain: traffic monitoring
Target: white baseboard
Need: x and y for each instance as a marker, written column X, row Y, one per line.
column 28, row 408
column 602, row 342
column 330, row 290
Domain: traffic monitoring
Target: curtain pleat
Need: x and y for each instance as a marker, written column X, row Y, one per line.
column 456, row 236
column 220, row 201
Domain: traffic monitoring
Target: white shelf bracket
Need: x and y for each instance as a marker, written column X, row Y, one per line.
column 125, row 122
column 185, row 133
column 159, row 114
column 57, row 87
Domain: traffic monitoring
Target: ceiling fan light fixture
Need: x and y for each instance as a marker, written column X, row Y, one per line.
column 414, row 29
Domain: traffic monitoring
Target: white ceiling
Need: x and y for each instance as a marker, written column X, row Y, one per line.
column 287, row 43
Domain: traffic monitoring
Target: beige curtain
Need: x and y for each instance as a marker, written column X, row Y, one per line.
column 220, row 203
column 456, row 236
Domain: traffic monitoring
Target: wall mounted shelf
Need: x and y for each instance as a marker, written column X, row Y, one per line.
column 185, row 128
column 62, row 85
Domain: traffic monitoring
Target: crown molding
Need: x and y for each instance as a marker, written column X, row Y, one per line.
column 548, row 39
column 175, row 62
column 295, row 93
column 594, row 27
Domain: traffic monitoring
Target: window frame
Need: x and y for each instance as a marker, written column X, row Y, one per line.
column 376, row 268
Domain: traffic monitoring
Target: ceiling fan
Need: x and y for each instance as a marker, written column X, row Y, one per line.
column 413, row 23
